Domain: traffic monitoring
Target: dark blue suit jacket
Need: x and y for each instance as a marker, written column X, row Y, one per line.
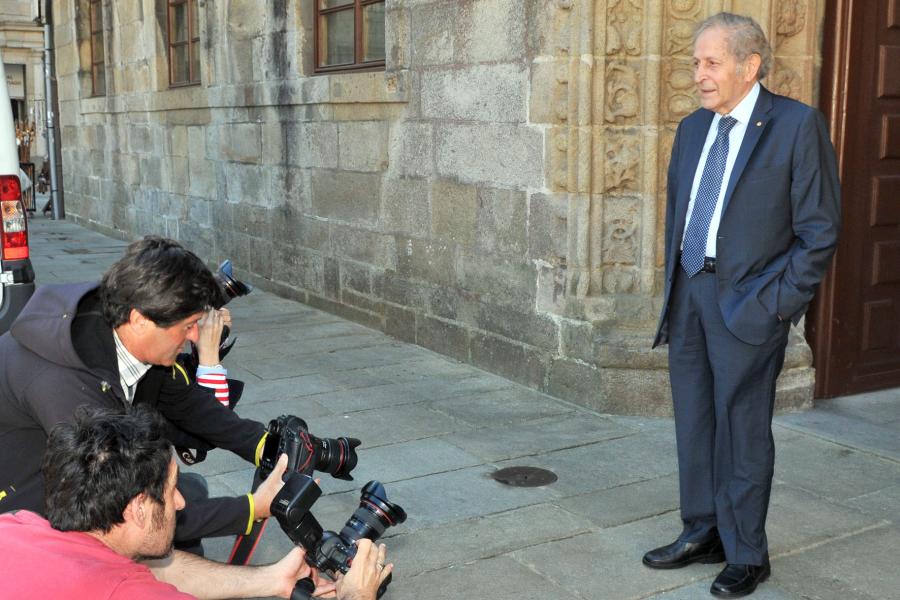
column 780, row 218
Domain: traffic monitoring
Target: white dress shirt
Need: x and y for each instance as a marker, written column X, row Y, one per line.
column 131, row 370
column 742, row 113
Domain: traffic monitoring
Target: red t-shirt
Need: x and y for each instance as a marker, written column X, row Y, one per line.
column 38, row 561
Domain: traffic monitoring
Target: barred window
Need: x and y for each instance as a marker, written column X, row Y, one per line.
column 184, row 43
column 349, row 35
column 98, row 55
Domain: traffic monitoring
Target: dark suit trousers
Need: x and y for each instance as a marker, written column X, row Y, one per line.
column 203, row 516
column 724, row 393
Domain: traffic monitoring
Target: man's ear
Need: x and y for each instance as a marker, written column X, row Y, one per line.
column 751, row 67
column 136, row 319
column 138, row 511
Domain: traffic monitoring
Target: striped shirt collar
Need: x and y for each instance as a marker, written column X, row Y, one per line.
column 130, row 369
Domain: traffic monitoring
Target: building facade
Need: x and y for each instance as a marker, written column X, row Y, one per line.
column 484, row 178
column 21, row 46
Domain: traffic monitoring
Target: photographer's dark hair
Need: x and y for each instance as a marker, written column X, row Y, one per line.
column 93, row 469
column 159, row 278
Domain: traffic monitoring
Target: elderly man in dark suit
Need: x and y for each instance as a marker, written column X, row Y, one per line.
column 751, row 224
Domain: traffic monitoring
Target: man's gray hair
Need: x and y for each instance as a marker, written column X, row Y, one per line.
column 745, row 37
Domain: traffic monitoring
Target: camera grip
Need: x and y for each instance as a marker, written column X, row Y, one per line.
column 303, row 589
column 383, row 587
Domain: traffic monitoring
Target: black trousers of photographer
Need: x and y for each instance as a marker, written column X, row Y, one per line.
column 723, row 391
column 210, row 517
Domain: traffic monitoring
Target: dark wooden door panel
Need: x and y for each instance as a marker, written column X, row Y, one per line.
column 855, row 328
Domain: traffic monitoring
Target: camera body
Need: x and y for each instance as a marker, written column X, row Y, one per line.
column 289, row 435
column 327, row 550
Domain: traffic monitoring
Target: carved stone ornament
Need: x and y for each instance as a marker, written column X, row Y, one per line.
column 790, row 18
column 679, row 91
column 623, row 155
column 621, row 245
column 618, row 281
column 786, row 81
column 684, row 8
column 624, row 28
column 679, row 36
column 622, row 100
column 620, row 240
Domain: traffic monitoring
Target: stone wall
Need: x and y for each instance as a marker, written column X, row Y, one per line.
column 495, row 194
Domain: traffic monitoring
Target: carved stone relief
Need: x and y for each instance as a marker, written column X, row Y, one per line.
column 790, row 17
column 622, row 163
column 681, row 17
column 559, row 135
column 622, row 89
column 786, row 81
column 679, row 99
column 624, row 27
column 621, row 241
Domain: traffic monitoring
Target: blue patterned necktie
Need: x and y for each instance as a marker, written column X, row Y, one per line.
column 693, row 248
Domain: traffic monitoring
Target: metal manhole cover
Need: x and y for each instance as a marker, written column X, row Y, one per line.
column 524, row 476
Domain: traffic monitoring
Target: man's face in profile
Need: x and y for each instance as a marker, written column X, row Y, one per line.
column 161, row 534
column 161, row 345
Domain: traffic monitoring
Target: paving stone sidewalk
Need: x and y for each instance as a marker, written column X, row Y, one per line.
column 434, row 430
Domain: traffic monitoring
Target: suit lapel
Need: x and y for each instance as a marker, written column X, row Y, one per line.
column 759, row 121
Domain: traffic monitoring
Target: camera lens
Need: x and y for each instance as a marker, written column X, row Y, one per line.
column 373, row 516
column 228, row 285
column 336, row 456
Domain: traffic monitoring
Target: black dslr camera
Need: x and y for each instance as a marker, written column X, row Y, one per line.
column 326, row 550
column 306, row 453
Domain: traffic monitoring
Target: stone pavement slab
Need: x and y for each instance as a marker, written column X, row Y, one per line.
column 538, row 436
column 434, row 429
column 606, row 563
column 832, row 470
column 849, row 428
column 856, row 567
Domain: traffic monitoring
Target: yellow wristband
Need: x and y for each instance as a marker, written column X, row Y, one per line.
column 259, row 447
column 252, row 515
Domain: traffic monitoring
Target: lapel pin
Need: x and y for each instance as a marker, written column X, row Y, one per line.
column 759, row 123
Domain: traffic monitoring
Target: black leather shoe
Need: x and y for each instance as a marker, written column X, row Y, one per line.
column 739, row 580
column 681, row 554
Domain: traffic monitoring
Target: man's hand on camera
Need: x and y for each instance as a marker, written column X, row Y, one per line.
column 366, row 574
column 268, row 489
column 211, row 334
column 287, row 571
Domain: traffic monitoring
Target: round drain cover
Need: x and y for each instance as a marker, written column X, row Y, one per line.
column 524, row 476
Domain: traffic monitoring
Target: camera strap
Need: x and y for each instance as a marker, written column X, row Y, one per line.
column 245, row 545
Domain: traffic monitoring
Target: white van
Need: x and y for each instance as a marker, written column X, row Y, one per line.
column 16, row 273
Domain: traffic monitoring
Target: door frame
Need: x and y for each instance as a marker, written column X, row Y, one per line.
column 833, row 92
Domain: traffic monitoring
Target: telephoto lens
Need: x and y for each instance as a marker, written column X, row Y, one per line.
column 370, row 520
column 335, row 455
column 328, row 551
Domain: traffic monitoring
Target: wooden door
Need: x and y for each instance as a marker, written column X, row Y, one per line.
column 854, row 327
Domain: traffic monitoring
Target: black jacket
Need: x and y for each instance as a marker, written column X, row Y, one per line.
column 60, row 354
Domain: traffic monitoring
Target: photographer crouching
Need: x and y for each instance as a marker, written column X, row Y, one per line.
column 116, row 345
column 111, row 510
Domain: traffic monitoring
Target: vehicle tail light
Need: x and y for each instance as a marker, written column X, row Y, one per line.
column 15, row 227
